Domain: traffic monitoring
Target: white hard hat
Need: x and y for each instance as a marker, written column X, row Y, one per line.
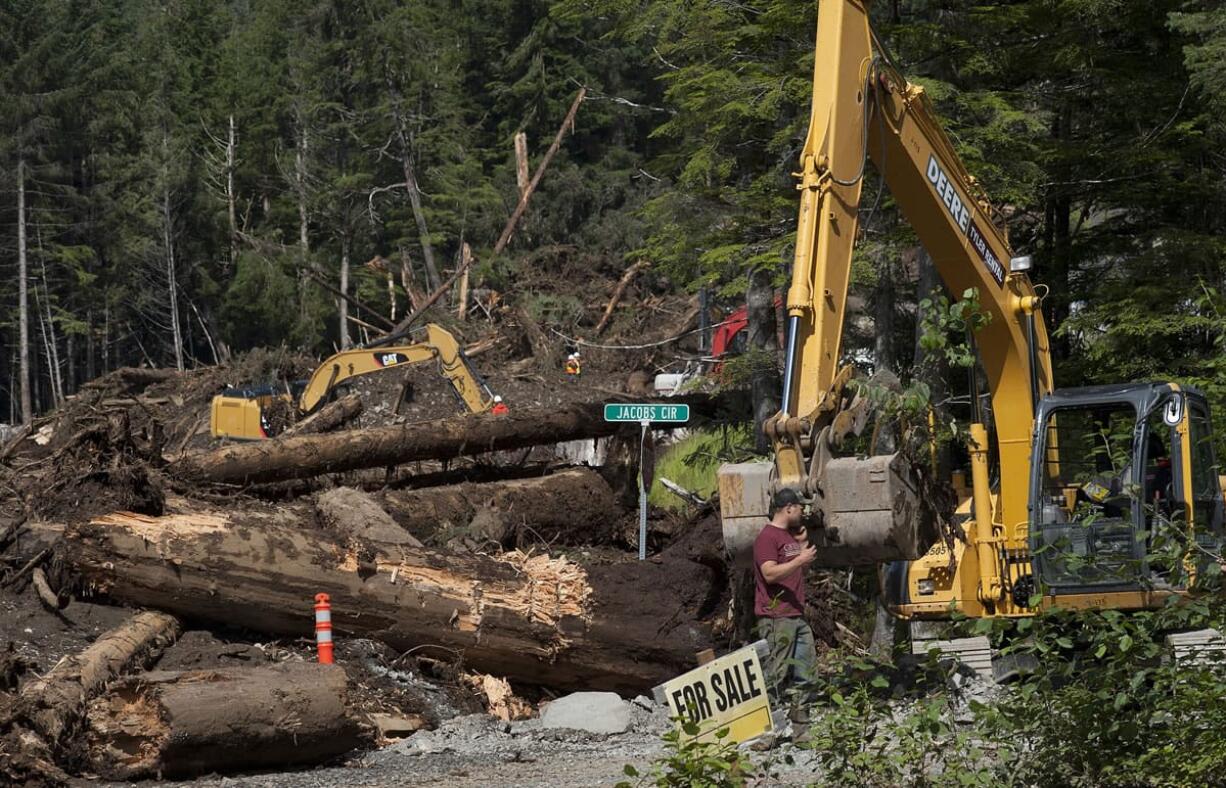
column 497, row 398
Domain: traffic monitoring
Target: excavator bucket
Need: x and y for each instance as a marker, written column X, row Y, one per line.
column 869, row 511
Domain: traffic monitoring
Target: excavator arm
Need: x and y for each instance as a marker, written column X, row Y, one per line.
column 863, row 110
column 240, row 414
column 438, row 344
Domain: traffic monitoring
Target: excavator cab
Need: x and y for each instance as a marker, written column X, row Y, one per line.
column 1124, row 486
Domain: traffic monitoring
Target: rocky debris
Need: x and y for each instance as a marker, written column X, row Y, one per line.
column 595, row 712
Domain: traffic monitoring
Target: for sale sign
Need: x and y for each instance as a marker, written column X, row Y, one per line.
column 729, row 692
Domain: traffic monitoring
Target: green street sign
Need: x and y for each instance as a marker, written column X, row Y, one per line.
column 623, row 411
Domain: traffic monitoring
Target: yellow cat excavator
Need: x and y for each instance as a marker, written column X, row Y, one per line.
column 1065, row 483
column 242, row 414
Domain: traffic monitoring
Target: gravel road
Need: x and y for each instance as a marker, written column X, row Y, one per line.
column 476, row 751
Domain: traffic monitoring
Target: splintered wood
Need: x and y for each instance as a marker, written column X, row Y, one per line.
column 553, row 588
column 500, row 700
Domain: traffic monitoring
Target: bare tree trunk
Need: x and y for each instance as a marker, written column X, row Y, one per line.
column 231, row 151
column 23, row 296
column 764, row 386
column 70, row 355
column 91, row 350
column 466, row 259
column 521, row 161
column 300, row 189
column 343, row 304
column 50, row 341
column 172, row 282
column 391, row 292
column 106, row 336
column 508, row 229
column 13, row 387
column 410, row 181
column 47, row 332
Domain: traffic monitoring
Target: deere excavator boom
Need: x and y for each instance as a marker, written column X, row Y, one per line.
column 863, row 109
column 867, row 511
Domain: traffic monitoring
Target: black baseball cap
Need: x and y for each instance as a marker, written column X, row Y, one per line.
column 785, row 497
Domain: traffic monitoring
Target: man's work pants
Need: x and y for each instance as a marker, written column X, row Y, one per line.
column 792, row 664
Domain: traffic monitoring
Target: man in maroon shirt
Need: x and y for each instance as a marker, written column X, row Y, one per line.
column 780, row 554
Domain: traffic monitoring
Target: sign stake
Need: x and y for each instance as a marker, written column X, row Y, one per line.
column 643, row 492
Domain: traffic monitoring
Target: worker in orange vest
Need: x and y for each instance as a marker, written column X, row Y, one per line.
column 500, row 408
column 573, row 367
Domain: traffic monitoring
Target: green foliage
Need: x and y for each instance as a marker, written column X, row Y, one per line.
column 554, row 309
column 1096, row 127
column 690, row 763
column 946, row 328
column 692, row 462
column 865, row 734
column 253, row 309
column 946, row 332
column 1106, row 704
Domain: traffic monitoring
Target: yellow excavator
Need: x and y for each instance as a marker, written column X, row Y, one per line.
column 242, row 414
column 1065, row 484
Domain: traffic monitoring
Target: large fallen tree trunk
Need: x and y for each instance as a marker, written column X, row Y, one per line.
column 329, row 417
column 301, row 456
column 177, row 724
column 624, row 626
column 572, row 506
column 58, row 698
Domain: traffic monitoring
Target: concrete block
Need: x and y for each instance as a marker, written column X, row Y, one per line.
column 594, row 712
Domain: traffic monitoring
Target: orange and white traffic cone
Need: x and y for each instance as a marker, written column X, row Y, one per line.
column 323, row 628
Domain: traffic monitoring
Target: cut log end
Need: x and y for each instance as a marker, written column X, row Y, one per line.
column 189, row 723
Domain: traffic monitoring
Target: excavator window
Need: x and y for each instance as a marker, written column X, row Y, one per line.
column 1206, row 489
column 1086, row 524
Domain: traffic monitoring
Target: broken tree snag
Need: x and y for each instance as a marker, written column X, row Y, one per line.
column 180, row 724
column 59, row 697
column 618, row 292
column 51, row 600
column 335, row 414
column 572, row 506
column 534, row 619
column 302, row 456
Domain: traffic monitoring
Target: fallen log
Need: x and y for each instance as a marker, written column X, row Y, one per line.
column 618, row 291
column 57, row 700
column 51, row 600
column 130, row 379
column 182, row 724
column 624, row 626
column 572, row 506
column 302, row 456
column 329, row 417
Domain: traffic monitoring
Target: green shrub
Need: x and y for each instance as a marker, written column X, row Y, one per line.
column 692, row 463
column 689, row 763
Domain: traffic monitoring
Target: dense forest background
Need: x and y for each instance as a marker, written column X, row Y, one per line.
column 182, row 179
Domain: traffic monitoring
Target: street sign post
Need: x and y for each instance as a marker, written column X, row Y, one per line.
column 645, row 413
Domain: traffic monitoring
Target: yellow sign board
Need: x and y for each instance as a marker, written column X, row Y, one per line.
column 729, row 692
